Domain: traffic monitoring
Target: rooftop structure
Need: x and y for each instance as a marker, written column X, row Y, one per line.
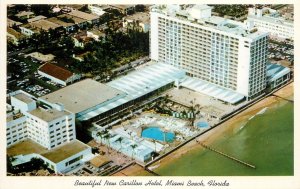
column 147, row 79
column 60, row 22
column 83, row 95
column 57, row 74
column 24, row 98
column 23, row 102
column 275, row 71
column 41, row 57
column 210, row 48
column 143, row 17
column 60, row 159
column 55, row 71
column 83, row 15
column 48, row 115
column 73, row 19
column 11, row 23
column 125, row 8
column 25, row 147
column 14, row 33
column 24, row 14
column 277, row 75
column 98, row 9
column 44, row 25
column 98, row 161
column 40, row 17
column 212, row 90
column 60, row 153
column 137, row 84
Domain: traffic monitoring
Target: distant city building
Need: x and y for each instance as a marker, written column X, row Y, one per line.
column 225, row 53
column 57, row 74
column 269, row 20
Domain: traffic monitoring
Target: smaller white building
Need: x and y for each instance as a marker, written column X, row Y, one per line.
column 28, row 30
column 97, row 9
column 139, row 19
column 23, row 102
column 57, row 74
column 60, row 159
column 269, row 20
column 277, row 75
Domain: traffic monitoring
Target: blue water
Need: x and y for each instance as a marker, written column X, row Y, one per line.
column 202, row 124
column 157, row 134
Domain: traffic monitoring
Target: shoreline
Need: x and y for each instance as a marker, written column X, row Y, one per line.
column 211, row 136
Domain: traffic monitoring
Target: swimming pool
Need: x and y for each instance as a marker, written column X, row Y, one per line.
column 202, row 124
column 157, row 134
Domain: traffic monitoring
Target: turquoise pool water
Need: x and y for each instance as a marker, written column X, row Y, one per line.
column 157, row 134
column 202, row 124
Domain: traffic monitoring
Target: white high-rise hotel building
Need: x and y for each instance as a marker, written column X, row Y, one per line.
column 227, row 53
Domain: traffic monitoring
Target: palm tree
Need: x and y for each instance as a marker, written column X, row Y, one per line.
column 120, row 140
column 100, row 134
column 133, row 146
column 106, row 137
column 153, row 140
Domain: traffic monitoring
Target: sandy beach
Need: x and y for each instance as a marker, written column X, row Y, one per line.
column 210, row 136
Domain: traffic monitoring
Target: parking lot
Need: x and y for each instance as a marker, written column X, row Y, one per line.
column 281, row 50
column 22, row 74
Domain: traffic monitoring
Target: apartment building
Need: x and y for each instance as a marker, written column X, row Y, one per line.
column 269, row 20
column 226, row 53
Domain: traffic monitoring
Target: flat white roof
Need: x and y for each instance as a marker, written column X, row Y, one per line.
column 83, row 95
column 275, row 71
column 150, row 78
column 139, row 83
column 212, row 90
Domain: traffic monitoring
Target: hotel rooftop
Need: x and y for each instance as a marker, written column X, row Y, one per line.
column 24, row 98
column 201, row 15
column 48, row 115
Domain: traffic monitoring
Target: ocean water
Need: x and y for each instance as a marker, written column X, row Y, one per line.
column 265, row 140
